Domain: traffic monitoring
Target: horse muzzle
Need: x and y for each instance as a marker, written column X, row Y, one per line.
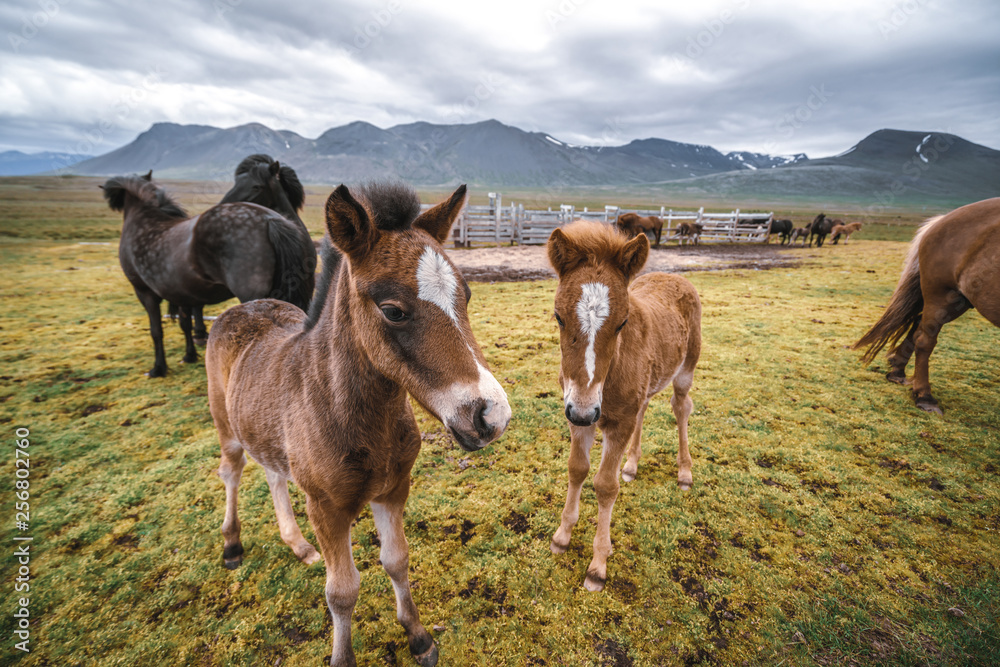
column 475, row 425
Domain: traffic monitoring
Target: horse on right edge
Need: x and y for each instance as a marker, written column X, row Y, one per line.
column 953, row 265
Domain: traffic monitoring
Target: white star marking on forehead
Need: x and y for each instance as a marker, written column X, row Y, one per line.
column 591, row 311
column 436, row 282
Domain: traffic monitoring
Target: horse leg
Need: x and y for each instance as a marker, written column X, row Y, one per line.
column 659, row 232
column 582, row 439
column 634, row 447
column 230, row 471
column 939, row 309
column 184, row 317
column 333, row 531
column 395, row 558
column 287, row 525
column 900, row 355
column 606, row 487
column 200, row 332
column 151, row 303
column 682, row 406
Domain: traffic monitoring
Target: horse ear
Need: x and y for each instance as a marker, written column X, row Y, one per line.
column 348, row 224
column 563, row 254
column 632, row 257
column 148, row 176
column 438, row 221
column 274, row 168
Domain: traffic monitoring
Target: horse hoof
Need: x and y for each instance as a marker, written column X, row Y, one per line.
column 311, row 556
column 156, row 373
column 593, row 583
column 232, row 556
column 930, row 405
column 627, row 476
column 201, row 342
column 898, row 378
column 190, row 360
column 557, row 549
column 233, row 563
column 428, row 658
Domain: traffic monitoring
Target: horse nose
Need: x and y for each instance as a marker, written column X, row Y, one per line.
column 582, row 419
column 483, row 428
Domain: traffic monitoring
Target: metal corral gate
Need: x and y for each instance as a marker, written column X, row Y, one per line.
column 494, row 223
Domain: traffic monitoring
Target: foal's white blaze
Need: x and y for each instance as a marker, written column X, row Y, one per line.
column 436, row 282
column 591, row 310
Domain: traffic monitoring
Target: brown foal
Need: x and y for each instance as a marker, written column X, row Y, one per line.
column 323, row 401
column 622, row 342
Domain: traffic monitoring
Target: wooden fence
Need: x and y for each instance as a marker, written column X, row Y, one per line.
column 496, row 223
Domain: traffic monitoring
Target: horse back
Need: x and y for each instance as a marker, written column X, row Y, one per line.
column 663, row 336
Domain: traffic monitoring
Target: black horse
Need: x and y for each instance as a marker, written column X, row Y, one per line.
column 784, row 228
column 259, row 179
column 819, row 228
column 240, row 250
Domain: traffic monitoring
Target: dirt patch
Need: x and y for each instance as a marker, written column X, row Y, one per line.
column 522, row 263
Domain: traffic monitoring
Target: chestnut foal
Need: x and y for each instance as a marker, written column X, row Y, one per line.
column 622, row 341
column 323, row 401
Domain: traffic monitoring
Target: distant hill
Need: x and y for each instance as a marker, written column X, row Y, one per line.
column 16, row 163
column 888, row 165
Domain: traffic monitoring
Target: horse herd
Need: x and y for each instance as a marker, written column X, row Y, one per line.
column 633, row 223
column 317, row 389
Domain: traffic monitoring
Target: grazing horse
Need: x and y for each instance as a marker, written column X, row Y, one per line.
column 259, row 179
column 632, row 223
column 799, row 233
column 323, row 399
column 690, row 231
column 953, row 265
column 845, row 231
column 241, row 250
column 783, row 228
column 820, row 227
column 622, row 341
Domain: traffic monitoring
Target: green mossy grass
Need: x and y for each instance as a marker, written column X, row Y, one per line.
column 830, row 523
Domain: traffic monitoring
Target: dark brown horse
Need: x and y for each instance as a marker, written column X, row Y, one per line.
column 783, row 228
column 632, row 224
column 953, row 265
column 820, row 227
column 324, row 400
column 690, row 231
column 622, row 342
column 241, row 250
column 259, row 179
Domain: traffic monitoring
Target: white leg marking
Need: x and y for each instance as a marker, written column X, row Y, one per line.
column 591, row 310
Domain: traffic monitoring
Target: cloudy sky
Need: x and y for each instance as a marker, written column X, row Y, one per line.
column 775, row 76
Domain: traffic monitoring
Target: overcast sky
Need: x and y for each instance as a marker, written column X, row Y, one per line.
column 773, row 76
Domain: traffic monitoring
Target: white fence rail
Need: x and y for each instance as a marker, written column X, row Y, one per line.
column 496, row 223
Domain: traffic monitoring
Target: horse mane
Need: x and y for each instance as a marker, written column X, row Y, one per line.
column 392, row 205
column 147, row 192
column 598, row 242
column 290, row 182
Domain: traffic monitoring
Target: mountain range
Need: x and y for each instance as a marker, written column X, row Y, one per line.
column 16, row 163
column 886, row 165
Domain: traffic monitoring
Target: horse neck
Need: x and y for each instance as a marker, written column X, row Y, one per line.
column 137, row 215
column 335, row 342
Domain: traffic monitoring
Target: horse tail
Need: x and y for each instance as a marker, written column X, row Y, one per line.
column 326, row 286
column 905, row 306
column 294, row 271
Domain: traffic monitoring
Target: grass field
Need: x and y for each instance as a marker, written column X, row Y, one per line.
column 831, row 522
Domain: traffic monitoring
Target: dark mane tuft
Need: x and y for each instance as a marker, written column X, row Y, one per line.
column 290, row 182
column 598, row 242
column 392, row 205
column 150, row 194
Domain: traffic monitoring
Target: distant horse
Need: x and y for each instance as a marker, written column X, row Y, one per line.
column 690, row 231
column 820, row 227
column 632, row 223
column 241, row 250
column 610, row 371
column 783, row 228
column 845, row 231
column 799, row 233
column 953, row 265
column 324, row 399
column 259, row 179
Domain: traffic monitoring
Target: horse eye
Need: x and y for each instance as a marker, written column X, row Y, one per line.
column 622, row 325
column 558, row 319
column 393, row 314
